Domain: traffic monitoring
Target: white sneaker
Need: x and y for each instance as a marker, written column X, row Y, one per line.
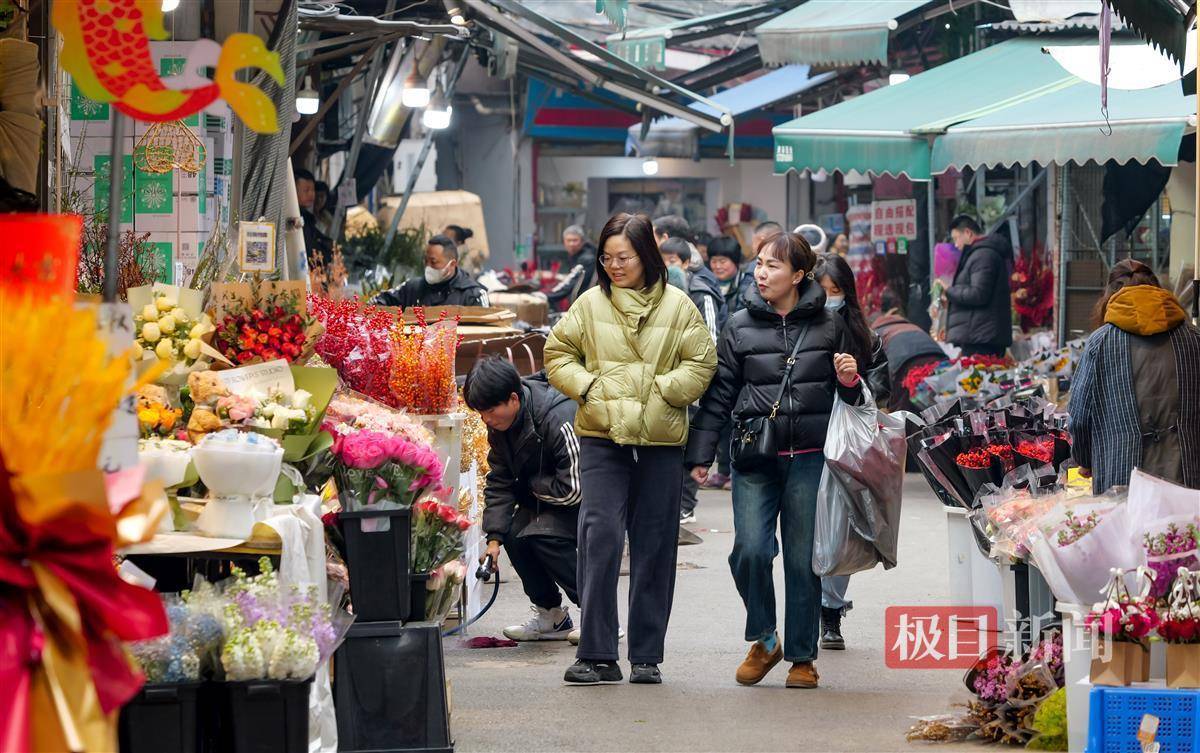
column 545, row 625
column 687, row 517
column 573, row 636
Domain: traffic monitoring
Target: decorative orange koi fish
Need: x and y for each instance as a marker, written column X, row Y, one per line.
column 107, row 51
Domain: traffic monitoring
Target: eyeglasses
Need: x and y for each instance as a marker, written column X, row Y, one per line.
column 616, row 261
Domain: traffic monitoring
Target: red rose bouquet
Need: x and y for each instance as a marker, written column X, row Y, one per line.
column 437, row 535
column 265, row 322
column 1181, row 622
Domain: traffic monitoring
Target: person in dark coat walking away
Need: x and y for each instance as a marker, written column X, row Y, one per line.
column 532, row 492
column 841, row 296
column 443, row 284
column 634, row 353
column 581, row 269
column 979, row 318
column 785, row 313
column 706, row 294
column 1135, row 395
column 906, row 345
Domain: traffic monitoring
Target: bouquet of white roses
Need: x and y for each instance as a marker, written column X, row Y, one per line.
column 170, row 326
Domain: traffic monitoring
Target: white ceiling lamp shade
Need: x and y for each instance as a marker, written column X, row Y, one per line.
column 1130, row 66
column 169, row 5
column 416, row 92
column 307, row 99
column 649, row 166
column 897, row 78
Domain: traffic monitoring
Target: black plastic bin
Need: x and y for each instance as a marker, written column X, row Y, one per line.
column 390, row 689
column 418, row 590
column 262, row 716
column 378, row 562
column 161, row 718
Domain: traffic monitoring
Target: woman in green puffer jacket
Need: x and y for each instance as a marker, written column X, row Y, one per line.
column 634, row 353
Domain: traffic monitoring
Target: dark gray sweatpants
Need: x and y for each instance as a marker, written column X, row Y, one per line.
column 632, row 490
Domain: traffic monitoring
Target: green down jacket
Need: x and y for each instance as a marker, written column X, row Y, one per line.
column 633, row 362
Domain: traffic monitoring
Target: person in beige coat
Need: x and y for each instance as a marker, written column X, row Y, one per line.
column 634, row 353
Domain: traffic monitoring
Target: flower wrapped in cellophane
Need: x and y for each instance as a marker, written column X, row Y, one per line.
column 170, row 326
column 422, row 371
column 263, row 321
column 357, row 341
column 437, row 534
column 64, row 611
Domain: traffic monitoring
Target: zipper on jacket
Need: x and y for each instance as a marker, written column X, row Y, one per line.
column 787, row 348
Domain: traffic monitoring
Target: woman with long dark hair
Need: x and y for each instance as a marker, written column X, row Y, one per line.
column 634, row 353
column 780, row 360
column 841, row 297
column 1134, row 396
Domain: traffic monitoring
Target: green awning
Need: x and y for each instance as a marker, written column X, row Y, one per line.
column 833, row 32
column 889, row 130
column 647, row 47
column 1142, row 125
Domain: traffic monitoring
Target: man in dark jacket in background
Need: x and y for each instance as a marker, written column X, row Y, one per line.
column 906, row 345
column 532, row 493
column 443, row 284
column 581, row 269
column 980, row 305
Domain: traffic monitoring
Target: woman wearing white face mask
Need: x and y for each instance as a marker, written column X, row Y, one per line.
column 443, row 284
column 841, row 295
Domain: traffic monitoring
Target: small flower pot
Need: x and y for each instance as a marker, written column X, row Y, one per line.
column 1183, row 665
column 1122, row 666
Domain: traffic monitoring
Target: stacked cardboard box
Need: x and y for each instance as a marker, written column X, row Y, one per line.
column 178, row 210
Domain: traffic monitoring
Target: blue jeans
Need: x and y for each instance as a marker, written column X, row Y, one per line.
column 833, row 593
column 784, row 496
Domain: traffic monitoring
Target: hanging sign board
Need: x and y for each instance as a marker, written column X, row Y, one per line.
column 892, row 220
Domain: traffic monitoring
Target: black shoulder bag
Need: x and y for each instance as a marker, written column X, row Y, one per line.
column 755, row 441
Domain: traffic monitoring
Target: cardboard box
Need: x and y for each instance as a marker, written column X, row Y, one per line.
column 531, row 309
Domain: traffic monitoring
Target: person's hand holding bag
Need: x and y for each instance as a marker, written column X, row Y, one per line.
column 847, row 369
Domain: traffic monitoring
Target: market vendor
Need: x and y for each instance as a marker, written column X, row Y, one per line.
column 533, row 489
column 444, row 282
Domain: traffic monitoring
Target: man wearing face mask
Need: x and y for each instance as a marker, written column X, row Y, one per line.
column 444, row 283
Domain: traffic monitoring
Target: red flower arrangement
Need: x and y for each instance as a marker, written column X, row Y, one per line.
column 1041, row 449
column 918, row 374
column 724, row 218
column 1005, row 453
column 978, row 459
column 357, row 342
column 1032, row 285
column 262, row 321
column 981, row 361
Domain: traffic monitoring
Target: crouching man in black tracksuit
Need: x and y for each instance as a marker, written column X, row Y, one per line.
column 531, row 501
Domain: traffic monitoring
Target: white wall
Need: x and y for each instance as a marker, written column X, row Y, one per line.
column 746, row 181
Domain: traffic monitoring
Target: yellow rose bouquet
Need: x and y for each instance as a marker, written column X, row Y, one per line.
column 170, row 325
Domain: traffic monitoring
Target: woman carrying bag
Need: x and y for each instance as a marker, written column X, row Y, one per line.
column 779, row 362
column 634, row 353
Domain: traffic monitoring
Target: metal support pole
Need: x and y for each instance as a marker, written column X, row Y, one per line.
column 245, row 24
column 931, row 224
column 424, row 153
column 1196, row 232
column 373, row 77
column 1066, row 214
column 116, row 175
column 1016, row 203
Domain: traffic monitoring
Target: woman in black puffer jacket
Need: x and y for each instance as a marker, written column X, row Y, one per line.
column 786, row 303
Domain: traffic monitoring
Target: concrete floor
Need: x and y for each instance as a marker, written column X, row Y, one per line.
column 513, row 699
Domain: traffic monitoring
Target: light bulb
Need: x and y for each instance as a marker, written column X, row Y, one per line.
column 897, row 78
column 169, row 5
column 416, row 92
column 307, row 99
column 650, row 166
column 436, row 119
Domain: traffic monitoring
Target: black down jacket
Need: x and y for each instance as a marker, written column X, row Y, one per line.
column 980, row 304
column 751, row 357
column 533, row 482
column 459, row 290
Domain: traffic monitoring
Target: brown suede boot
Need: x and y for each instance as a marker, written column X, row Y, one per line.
column 803, row 675
column 758, row 663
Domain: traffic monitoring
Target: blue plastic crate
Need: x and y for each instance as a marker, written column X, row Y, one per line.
column 1116, row 716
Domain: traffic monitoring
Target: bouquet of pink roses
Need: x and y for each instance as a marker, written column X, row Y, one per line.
column 382, row 471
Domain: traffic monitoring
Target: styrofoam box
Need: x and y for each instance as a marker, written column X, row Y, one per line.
column 974, row 579
column 447, row 433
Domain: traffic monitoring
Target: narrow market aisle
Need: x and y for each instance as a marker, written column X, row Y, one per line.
column 513, row 699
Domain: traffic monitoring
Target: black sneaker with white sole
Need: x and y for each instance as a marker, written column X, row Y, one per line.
column 585, row 672
column 645, row 674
